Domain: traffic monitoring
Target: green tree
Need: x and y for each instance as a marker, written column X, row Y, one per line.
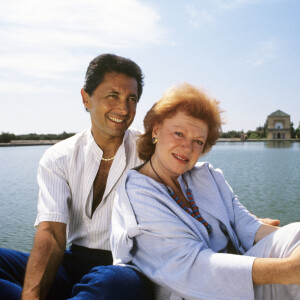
column 297, row 132
column 293, row 131
column 6, row 137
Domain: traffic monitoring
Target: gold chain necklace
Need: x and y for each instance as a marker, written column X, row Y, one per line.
column 107, row 159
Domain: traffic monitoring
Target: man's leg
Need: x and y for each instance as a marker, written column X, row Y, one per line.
column 12, row 271
column 113, row 282
column 278, row 244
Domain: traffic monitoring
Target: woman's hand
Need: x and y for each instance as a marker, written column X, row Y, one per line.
column 268, row 221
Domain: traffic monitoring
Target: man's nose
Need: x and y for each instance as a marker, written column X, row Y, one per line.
column 123, row 107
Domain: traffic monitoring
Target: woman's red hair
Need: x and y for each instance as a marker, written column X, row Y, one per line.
column 188, row 99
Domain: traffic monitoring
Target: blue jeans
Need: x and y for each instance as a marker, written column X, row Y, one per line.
column 84, row 274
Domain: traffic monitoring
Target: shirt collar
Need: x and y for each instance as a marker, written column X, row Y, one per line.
column 97, row 151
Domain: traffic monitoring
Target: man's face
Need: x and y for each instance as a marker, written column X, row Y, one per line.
column 113, row 105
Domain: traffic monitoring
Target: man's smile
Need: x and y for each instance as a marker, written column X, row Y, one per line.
column 116, row 119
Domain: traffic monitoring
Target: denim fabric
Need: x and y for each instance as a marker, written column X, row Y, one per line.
column 84, row 274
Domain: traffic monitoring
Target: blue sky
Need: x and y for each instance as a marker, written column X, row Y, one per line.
column 245, row 53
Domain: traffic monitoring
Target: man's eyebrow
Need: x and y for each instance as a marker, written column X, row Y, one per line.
column 113, row 92
column 133, row 95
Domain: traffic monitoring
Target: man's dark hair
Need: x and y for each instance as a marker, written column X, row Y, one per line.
column 106, row 63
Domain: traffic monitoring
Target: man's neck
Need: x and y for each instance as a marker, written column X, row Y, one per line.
column 108, row 144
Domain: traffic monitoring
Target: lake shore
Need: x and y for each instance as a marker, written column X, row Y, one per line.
column 16, row 143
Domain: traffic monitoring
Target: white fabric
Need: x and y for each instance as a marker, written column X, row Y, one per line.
column 279, row 244
column 150, row 231
column 65, row 176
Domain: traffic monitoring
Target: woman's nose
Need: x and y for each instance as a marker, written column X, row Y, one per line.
column 187, row 145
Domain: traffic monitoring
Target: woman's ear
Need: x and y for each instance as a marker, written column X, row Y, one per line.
column 86, row 99
column 156, row 129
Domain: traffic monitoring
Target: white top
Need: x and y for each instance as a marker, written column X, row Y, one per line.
column 152, row 233
column 66, row 175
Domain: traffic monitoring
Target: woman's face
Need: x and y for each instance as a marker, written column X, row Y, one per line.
column 180, row 142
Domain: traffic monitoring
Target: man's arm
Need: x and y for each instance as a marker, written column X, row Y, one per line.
column 44, row 260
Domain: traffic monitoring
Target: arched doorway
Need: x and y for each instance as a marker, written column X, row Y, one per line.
column 278, row 136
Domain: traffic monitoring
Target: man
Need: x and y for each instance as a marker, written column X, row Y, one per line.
column 77, row 179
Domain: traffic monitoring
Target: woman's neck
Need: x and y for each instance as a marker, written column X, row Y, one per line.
column 153, row 170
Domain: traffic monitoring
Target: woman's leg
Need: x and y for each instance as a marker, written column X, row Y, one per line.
column 278, row 244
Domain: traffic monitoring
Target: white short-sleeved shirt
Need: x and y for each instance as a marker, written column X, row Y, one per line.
column 66, row 175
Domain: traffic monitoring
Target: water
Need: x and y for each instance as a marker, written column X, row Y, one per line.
column 18, row 195
column 265, row 176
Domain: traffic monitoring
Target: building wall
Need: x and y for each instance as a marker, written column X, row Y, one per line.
column 279, row 127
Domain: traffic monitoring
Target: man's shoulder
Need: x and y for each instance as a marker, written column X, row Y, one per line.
column 68, row 146
column 133, row 134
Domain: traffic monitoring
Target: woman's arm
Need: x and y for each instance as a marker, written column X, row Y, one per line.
column 263, row 231
column 277, row 270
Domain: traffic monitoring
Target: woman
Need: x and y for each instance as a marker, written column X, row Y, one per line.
column 178, row 221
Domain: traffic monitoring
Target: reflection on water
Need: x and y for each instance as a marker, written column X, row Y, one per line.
column 280, row 144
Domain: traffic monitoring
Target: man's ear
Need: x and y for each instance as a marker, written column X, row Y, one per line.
column 86, row 99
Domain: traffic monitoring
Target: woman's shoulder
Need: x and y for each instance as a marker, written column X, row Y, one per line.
column 204, row 166
column 138, row 181
column 207, row 170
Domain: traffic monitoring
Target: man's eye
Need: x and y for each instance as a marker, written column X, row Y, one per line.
column 133, row 99
column 112, row 96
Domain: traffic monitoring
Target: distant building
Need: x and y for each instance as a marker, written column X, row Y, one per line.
column 279, row 125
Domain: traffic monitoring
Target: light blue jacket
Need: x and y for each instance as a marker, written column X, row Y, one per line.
column 151, row 232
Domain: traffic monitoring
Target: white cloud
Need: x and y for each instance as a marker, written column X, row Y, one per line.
column 197, row 17
column 203, row 12
column 263, row 52
column 43, row 38
column 23, row 88
column 99, row 21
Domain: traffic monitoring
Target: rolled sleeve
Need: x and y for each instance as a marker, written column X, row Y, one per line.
column 245, row 225
column 54, row 192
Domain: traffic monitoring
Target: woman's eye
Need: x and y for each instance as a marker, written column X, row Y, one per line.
column 178, row 133
column 200, row 143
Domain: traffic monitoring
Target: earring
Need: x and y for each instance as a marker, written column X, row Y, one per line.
column 154, row 140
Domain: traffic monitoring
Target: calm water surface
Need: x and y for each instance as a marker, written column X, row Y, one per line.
column 265, row 176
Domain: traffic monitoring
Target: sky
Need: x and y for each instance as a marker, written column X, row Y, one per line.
column 244, row 53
